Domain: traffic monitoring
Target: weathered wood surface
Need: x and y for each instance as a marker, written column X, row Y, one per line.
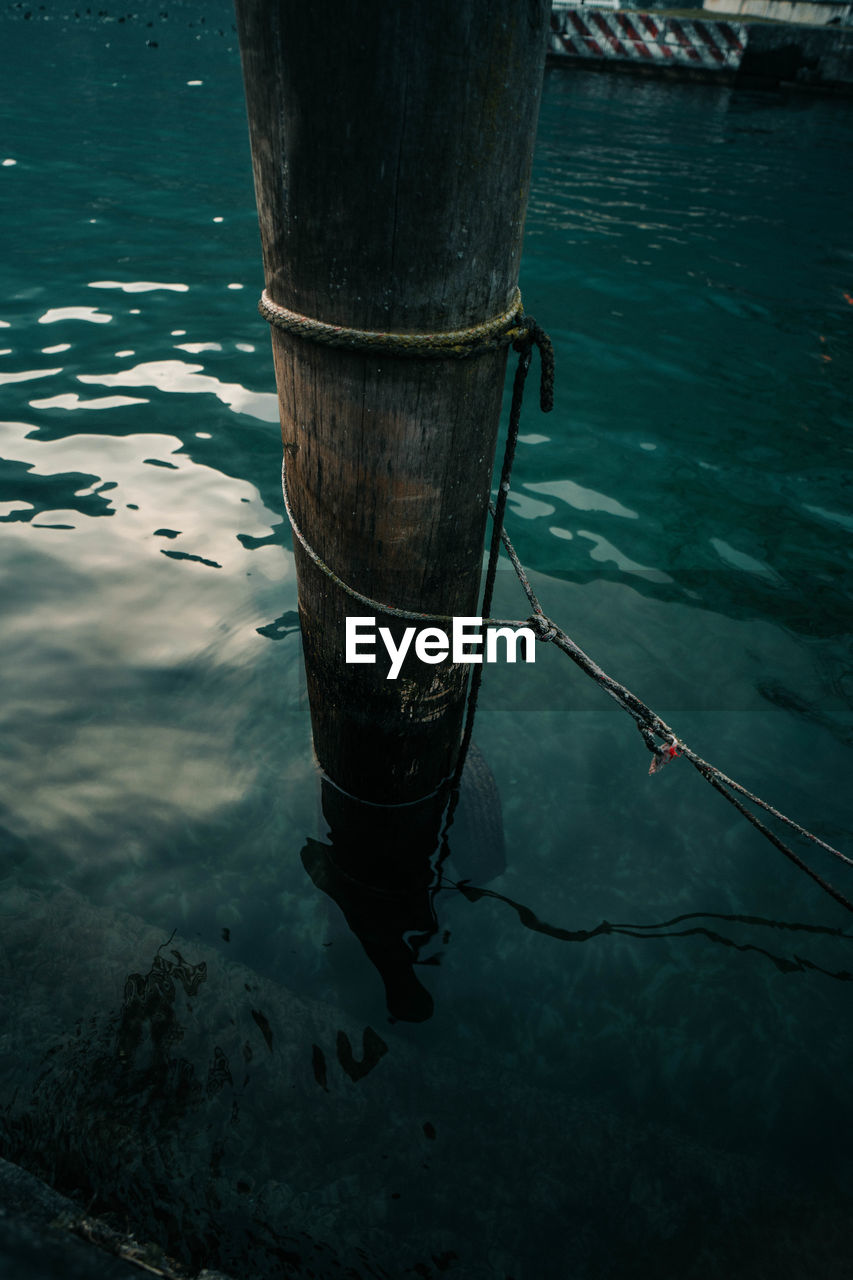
column 392, row 147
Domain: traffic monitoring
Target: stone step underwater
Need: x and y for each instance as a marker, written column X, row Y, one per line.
column 234, row 1123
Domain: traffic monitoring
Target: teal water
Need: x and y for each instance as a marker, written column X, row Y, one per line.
column 193, row 1038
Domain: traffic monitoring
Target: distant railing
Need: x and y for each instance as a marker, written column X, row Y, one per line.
column 650, row 38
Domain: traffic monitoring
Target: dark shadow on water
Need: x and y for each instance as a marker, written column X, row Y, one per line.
column 390, row 925
column 285, row 625
column 666, row 929
column 382, row 866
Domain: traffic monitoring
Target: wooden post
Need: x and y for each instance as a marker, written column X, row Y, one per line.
column 391, row 145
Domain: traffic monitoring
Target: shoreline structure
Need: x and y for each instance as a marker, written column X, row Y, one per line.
column 746, row 46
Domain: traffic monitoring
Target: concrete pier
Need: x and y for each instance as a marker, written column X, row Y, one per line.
column 813, row 13
column 729, row 49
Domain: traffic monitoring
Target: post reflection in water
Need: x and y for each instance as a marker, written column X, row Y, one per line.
column 382, row 866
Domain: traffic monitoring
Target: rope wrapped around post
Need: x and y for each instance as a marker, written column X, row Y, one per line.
column 453, row 344
column 523, row 333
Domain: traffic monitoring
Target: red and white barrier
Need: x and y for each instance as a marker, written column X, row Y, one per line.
column 629, row 36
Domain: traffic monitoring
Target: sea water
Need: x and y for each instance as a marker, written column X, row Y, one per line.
column 638, row 1057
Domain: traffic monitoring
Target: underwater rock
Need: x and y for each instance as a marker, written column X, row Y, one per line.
column 135, row 1071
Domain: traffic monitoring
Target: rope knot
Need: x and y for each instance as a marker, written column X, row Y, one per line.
column 528, row 335
column 662, row 755
column 544, row 627
column 663, row 752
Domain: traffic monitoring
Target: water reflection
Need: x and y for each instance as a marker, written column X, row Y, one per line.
column 386, row 867
column 181, row 377
column 27, row 375
column 72, row 400
column 286, row 625
column 138, row 286
column 158, row 752
column 91, row 314
column 667, row 929
column 67, row 491
column 383, row 867
column 377, row 867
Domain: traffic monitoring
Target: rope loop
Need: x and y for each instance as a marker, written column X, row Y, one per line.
column 511, row 327
column 535, row 336
column 453, row 344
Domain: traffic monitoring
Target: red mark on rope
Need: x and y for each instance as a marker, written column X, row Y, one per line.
column 847, row 298
column 662, row 756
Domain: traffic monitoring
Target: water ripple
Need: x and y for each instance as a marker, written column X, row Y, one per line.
column 27, row 375
column 71, row 400
column 138, row 286
column 91, row 314
column 582, row 499
column 178, row 376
